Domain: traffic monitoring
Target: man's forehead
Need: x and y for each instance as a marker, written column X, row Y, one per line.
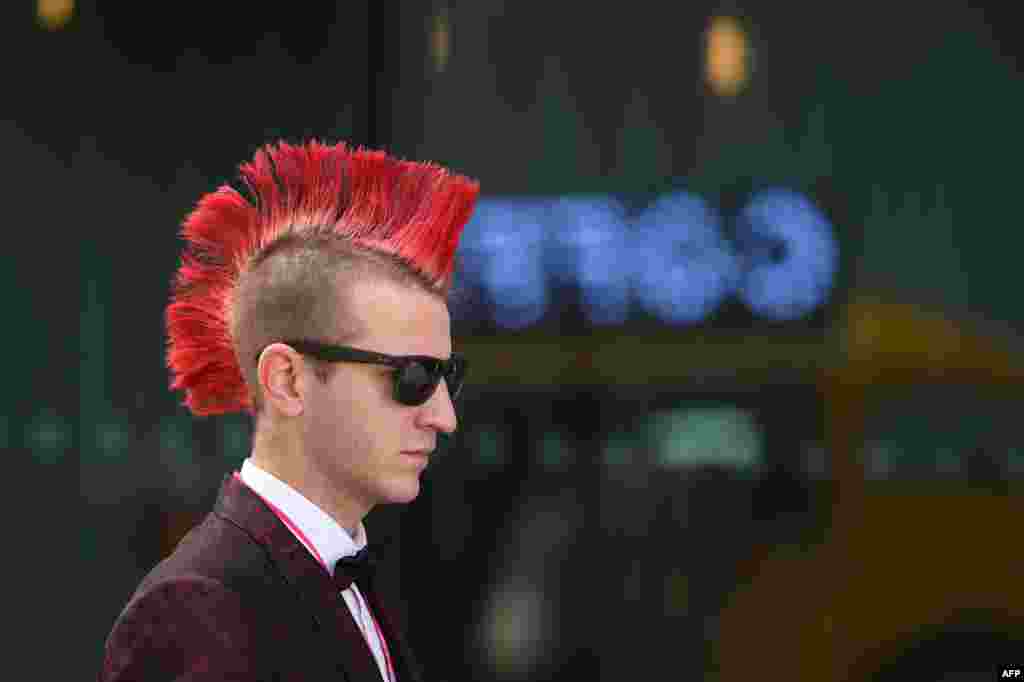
column 399, row 318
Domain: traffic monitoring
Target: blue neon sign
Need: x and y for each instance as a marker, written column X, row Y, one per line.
column 678, row 259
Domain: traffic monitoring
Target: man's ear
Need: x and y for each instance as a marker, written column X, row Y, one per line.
column 280, row 372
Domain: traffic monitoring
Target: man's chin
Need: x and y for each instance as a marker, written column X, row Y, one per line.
column 403, row 492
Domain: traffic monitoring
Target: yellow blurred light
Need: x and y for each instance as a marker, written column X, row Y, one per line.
column 440, row 40
column 55, row 14
column 727, row 60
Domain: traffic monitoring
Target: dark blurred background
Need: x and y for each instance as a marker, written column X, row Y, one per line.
column 742, row 313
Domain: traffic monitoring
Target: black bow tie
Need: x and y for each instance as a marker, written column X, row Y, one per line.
column 358, row 568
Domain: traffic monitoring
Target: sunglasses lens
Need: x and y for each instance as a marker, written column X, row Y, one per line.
column 415, row 384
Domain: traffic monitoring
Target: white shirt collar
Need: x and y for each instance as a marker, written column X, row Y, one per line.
column 328, row 538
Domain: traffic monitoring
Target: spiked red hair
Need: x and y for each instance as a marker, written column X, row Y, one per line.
column 415, row 211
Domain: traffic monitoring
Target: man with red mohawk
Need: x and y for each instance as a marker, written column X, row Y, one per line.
column 317, row 302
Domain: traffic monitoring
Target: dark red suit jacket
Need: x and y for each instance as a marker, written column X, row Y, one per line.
column 240, row 598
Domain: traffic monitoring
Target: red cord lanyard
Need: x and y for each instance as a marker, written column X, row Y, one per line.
column 309, row 545
column 383, row 646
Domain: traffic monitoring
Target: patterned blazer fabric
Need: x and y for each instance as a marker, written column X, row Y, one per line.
column 241, row 599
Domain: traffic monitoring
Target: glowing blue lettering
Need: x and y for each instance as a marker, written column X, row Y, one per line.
column 685, row 267
column 503, row 245
column 789, row 253
column 591, row 232
column 672, row 260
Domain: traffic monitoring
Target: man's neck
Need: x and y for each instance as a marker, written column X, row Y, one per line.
column 293, row 468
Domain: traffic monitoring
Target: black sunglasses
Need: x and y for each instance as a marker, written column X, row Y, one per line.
column 416, row 376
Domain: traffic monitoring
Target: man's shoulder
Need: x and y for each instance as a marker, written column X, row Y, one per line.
column 183, row 624
column 205, row 601
column 219, row 550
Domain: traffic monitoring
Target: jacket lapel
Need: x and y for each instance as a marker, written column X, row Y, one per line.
column 313, row 587
column 406, row 667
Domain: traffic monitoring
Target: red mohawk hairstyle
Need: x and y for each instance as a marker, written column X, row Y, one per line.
column 413, row 212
